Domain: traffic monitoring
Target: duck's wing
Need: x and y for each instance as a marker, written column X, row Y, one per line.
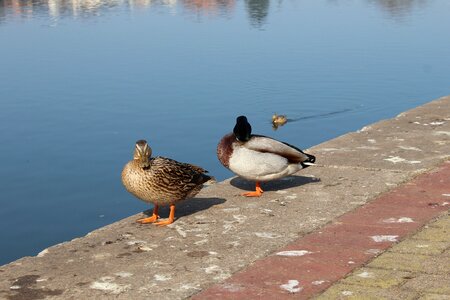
column 266, row 144
column 196, row 168
column 178, row 173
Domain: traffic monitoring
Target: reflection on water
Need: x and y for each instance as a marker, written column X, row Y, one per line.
column 398, row 9
column 210, row 7
column 257, row 10
column 86, row 8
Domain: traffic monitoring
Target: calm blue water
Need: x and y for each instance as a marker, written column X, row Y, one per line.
column 82, row 80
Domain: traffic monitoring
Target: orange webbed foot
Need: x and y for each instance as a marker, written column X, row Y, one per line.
column 151, row 219
column 170, row 219
column 257, row 193
column 164, row 223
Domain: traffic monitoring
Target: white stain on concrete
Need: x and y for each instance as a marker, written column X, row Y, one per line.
column 437, row 123
column 189, row 287
column 124, row 274
column 231, row 209
column 217, row 271
column 101, row 256
column 410, row 148
column 230, row 225
column 347, row 293
column 365, row 274
column 41, row 279
column 106, row 284
column 136, row 242
column 234, row 243
column 367, row 148
column 372, row 141
column 422, row 246
column 212, row 269
column 201, row 242
column 292, row 286
column 15, row 287
column 446, row 195
column 441, row 143
column 159, row 277
column 180, row 231
column 291, row 197
column 267, row 235
column 42, row 253
column 293, row 253
column 240, row 218
column 384, row 238
column 329, row 149
column 281, row 192
column 318, row 282
column 201, row 235
column 399, row 220
column 230, row 287
column 222, row 276
column 144, row 248
column 107, row 278
column 110, row 287
column 397, row 159
column 442, row 133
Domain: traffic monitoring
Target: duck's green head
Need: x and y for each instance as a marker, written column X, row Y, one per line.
column 142, row 151
column 242, row 130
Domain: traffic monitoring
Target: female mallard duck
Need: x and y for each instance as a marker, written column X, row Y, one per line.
column 161, row 181
column 259, row 158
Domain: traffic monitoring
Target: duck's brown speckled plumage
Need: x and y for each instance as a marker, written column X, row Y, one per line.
column 163, row 181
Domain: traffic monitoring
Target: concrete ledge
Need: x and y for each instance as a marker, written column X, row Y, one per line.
column 312, row 263
column 219, row 233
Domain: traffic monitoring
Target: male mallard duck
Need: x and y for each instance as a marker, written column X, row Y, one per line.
column 259, row 158
column 161, row 181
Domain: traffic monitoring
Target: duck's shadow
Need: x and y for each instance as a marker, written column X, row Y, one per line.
column 188, row 207
column 275, row 185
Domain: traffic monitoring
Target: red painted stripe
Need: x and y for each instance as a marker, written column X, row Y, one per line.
column 340, row 247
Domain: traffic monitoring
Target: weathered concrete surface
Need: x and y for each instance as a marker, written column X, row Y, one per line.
column 220, row 232
column 310, row 264
column 417, row 268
